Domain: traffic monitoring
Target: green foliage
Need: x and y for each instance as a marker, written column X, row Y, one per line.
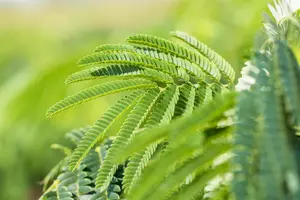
column 67, row 185
column 188, row 152
column 267, row 163
column 162, row 80
column 35, row 60
column 224, row 67
column 191, row 137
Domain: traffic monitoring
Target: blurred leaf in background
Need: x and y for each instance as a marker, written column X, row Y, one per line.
column 41, row 42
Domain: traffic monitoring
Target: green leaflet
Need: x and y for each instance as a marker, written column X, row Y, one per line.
column 99, row 91
column 137, row 162
column 198, row 164
column 133, row 121
column 67, row 184
column 198, row 121
column 79, row 183
column 126, row 71
column 203, row 94
column 177, row 50
column 61, row 193
column 224, row 67
column 185, row 104
column 130, row 58
column 190, row 68
column 97, row 133
column 198, row 184
column 160, row 169
column 162, row 114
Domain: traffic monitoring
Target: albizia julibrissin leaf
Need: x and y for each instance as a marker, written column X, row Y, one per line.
column 99, row 91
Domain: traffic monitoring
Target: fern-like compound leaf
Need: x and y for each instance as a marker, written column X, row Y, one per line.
column 137, row 163
column 170, row 159
column 190, row 68
column 61, row 193
column 197, row 165
column 162, row 114
column 97, row 132
column 127, row 71
column 224, row 67
column 186, row 102
column 99, row 91
column 197, row 186
column 171, row 48
column 130, row 58
column 198, row 121
column 133, row 121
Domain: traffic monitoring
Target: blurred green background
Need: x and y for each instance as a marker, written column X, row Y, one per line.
column 41, row 42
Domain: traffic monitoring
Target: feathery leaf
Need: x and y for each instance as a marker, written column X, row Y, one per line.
column 129, row 71
column 130, row 58
column 133, row 121
column 97, row 132
column 99, row 91
column 224, row 67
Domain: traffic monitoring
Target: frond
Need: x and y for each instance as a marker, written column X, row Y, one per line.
column 69, row 183
column 170, row 48
column 204, row 114
column 99, row 91
column 161, row 114
column 193, row 189
column 191, row 155
column 79, row 184
column 224, row 67
column 61, row 193
column 130, row 58
column 136, row 164
column 190, row 68
column 98, row 132
column 129, row 71
column 166, row 124
column 203, row 94
column 133, row 121
column 185, row 104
